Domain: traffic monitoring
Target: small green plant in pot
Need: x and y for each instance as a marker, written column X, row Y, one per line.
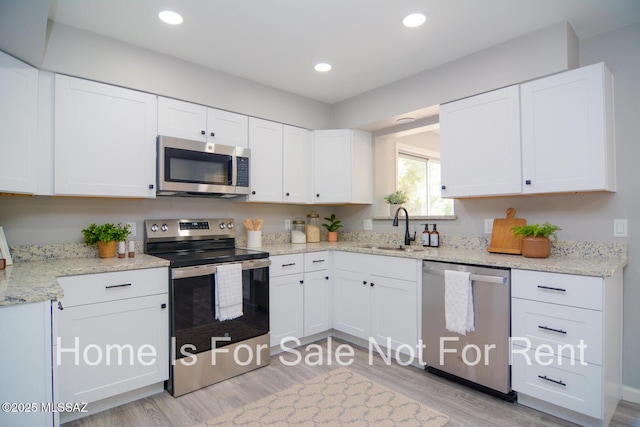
column 332, row 227
column 536, row 242
column 395, row 200
column 106, row 237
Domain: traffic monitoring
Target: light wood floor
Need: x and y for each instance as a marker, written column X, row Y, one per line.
column 464, row 406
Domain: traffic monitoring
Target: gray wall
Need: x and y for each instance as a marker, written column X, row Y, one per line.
column 583, row 217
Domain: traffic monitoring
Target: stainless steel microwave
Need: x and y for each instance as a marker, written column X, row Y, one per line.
column 195, row 168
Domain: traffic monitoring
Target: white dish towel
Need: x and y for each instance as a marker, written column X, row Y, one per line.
column 228, row 291
column 458, row 302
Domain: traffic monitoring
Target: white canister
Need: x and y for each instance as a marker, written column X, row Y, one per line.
column 297, row 231
column 121, row 251
column 254, row 239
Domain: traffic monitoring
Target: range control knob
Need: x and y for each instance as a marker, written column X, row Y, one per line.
column 154, row 227
column 230, row 225
column 164, row 227
column 221, row 226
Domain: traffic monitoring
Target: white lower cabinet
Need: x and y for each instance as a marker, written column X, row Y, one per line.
column 25, row 357
column 376, row 297
column 98, row 353
column 298, row 296
column 566, row 344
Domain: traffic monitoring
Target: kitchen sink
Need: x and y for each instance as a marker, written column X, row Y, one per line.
column 394, row 248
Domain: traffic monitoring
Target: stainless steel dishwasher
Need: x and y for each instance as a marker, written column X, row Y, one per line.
column 479, row 359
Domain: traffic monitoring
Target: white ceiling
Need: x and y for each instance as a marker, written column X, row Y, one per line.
column 277, row 42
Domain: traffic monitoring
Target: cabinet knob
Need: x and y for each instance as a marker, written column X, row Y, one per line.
column 317, row 194
column 443, row 187
column 151, row 186
column 163, row 305
column 60, row 307
column 253, row 192
column 364, row 282
column 286, row 194
column 301, row 282
column 326, row 277
column 528, row 182
column 213, row 134
column 203, row 132
column 372, row 284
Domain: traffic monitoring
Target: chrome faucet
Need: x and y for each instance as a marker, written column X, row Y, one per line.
column 407, row 238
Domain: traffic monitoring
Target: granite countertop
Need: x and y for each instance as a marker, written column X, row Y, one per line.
column 35, row 281
column 578, row 264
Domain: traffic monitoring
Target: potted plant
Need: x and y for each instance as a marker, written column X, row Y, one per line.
column 332, row 227
column 536, row 242
column 106, row 237
column 398, row 198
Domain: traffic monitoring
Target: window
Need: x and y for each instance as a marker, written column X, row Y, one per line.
column 419, row 178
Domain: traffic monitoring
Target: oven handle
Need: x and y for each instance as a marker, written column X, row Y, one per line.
column 209, row 269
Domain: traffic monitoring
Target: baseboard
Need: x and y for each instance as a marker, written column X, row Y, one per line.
column 631, row 394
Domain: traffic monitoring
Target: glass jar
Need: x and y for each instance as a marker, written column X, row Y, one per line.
column 313, row 227
column 297, row 231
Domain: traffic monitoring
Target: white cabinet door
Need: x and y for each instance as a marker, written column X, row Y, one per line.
column 286, row 318
column 181, row 119
column 295, row 165
column 227, row 128
column 394, row 312
column 480, row 145
column 265, row 169
column 112, row 356
column 25, row 356
column 18, row 126
column 317, row 291
column 104, row 140
column 567, row 132
column 332, row 166
column 351, row 305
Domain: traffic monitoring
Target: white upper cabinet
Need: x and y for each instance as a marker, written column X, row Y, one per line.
column 296, row 177
column 342, row 166
column 105, row 140
column 196, row 122
column 480, row 145
column 550, row 135
column 567, row 132
column 265, row 167
column 18, row 126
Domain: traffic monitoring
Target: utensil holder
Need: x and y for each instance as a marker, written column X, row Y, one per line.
column 254, row 239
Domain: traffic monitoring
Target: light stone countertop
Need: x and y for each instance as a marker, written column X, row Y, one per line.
column 35, row 281
column 581, row 265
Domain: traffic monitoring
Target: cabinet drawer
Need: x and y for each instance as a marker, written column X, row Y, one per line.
column 286, row 264
column 316, row 261
column 558, row 328
column 386, row 266
column 102, row 287
column 572, row 386
column 566, row 289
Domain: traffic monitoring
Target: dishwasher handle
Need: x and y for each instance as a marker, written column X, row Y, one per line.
column 474, row 277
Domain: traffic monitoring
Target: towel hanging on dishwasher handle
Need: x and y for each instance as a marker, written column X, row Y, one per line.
column 458, row 302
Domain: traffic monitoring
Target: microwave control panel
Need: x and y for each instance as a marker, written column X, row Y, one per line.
column 243, row 172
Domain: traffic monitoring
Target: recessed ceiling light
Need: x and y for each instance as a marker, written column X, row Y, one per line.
column 414, row 20
column 323, row 67
column 406, row 120
column 170, row 17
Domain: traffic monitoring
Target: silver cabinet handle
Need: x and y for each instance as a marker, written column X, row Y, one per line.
column 473, row 277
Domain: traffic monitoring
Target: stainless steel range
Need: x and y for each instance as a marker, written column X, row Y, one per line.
column 206, row 350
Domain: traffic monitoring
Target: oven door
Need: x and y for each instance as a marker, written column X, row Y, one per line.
column 193, row 324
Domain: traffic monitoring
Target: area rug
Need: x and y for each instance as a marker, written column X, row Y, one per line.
column 339, row 397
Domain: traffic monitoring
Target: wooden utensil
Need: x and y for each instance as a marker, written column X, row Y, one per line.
column 502, row 239
column 259, row 224
column 248, row 224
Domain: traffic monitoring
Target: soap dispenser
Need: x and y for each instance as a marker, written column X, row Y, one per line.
column 426, row 236
column 434, row 238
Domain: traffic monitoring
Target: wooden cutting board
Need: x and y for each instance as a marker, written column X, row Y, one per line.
column 502, row 239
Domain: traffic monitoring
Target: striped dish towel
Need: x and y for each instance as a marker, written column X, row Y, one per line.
column 228, row 292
